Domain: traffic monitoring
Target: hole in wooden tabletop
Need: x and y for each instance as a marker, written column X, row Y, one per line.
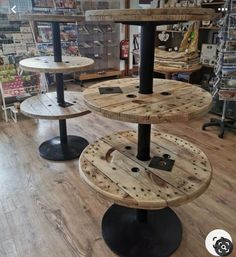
column 166, row 156
column 131, row 96
column 67, row 62
column 49, row 105
column 128, row 147
column 135, row 169
column 165, row 93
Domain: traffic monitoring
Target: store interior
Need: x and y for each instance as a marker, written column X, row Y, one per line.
column 117, row 128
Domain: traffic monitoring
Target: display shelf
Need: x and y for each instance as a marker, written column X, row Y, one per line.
column 14, row 87
column 99, row 74
column 121, row 162
column 213, row 3
column 136, row 184
column 225, row 70
column 45, row 106
column 209, row 28
column 159, row 15
column 46, row 64
column 63, row 147
column 170, row 102
column 50, row 17
column 169, row 71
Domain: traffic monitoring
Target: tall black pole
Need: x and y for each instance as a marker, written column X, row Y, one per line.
column 147, row 58
column 146, row 86
column 59, row 77
column 58, row 58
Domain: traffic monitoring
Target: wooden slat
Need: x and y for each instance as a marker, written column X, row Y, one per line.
column 113, row 158
column 153, row 15
column 45, row 106
column 173, row 70
column 51, row 17
column 183, row 101
column 46, row 64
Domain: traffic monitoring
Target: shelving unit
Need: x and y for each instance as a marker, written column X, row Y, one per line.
column 16, row 40
column 225, row 82
column 140, row 172
column 58, row 106
column 14, row 88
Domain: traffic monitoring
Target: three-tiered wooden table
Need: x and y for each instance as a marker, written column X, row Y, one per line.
column 59, row 106
column 145, row 173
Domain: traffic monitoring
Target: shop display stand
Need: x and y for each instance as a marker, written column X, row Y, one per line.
column 225, row 83
column 138, row 171
column 63, row 147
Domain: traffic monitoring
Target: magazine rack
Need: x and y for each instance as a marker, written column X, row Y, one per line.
column 63, row 147
column 144, row 172
column 225, row 84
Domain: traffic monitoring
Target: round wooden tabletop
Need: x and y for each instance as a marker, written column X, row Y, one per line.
column 46, row 64
column 158, row 15
column 171, row 101
column 172, row 70
column 50, row 17
column 110, row 167
column 45, row 106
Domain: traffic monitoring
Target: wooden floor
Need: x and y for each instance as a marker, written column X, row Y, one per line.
column 46, row 211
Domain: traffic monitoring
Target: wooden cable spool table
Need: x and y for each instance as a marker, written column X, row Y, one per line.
column 145, row 173
column 63, row 147
column 169, row 71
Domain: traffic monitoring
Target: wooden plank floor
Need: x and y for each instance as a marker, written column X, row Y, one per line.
column 46, row 210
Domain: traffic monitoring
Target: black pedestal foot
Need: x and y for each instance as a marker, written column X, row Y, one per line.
column 159, row 236
column 55, row 151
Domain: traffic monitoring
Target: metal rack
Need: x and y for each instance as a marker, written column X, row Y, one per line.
column 225, row 82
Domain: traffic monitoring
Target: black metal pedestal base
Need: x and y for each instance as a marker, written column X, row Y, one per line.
column 159, row 236
column 54, row 150
column 222, row 124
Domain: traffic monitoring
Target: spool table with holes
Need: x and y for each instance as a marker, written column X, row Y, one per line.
column 56, row 106
column 144, row 172
column 110, row 167
column 169, row 71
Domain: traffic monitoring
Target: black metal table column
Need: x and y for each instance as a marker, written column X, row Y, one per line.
column 131, row 232
column 146, row 85
column 64, row 147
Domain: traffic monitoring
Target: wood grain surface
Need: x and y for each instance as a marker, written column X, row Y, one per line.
column 47, row 211
column 45, row 106
column 46, row 64
column 52, row 17
column 110, row 167
column 171, row 101
column 172, row 70
column 153, row 15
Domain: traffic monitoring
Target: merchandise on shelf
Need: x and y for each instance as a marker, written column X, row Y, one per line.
column 185, row 55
